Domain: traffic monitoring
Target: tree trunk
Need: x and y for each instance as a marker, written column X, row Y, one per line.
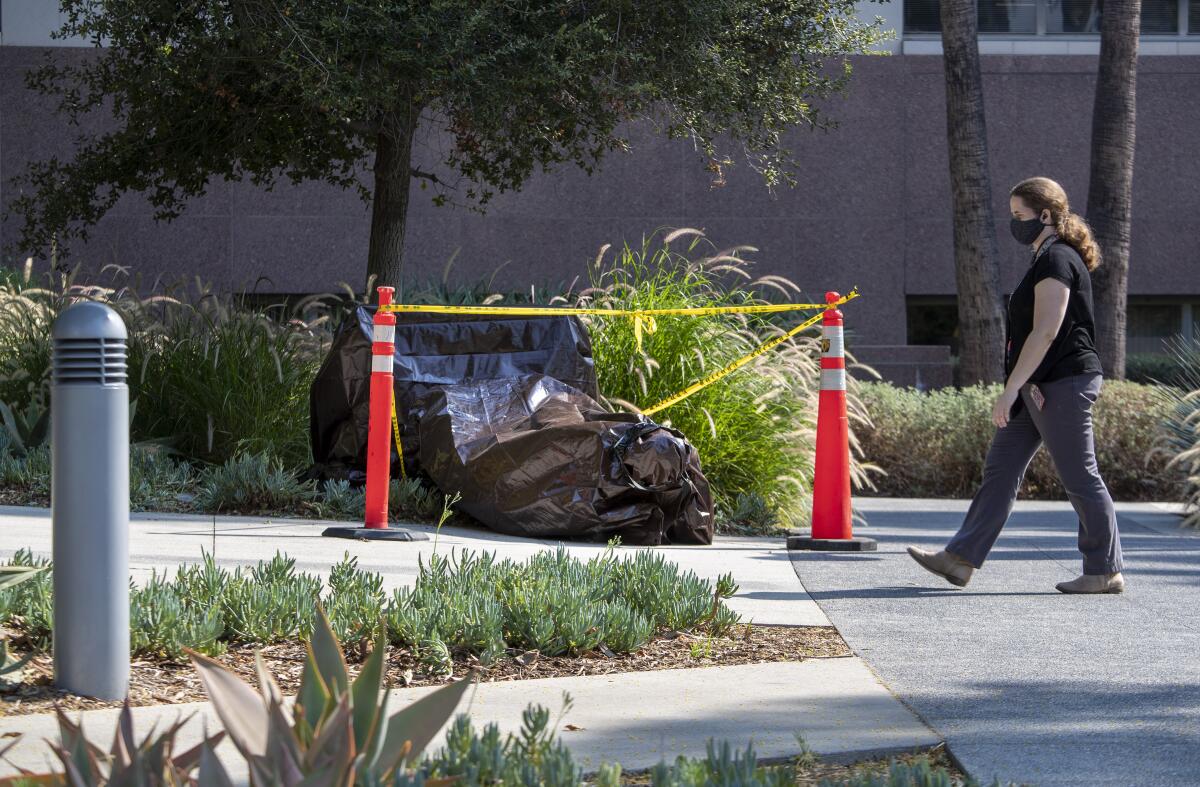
column 976, row 270
column 389, row 204
column 1110, row 187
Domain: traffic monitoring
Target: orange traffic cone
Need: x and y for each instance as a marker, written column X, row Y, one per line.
column 831, row 529
column 379, row 435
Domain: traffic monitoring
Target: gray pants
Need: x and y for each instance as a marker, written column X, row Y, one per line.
column 1065, row 425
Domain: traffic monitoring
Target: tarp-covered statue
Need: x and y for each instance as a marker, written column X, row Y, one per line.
column 536, row 457
column 503, row 411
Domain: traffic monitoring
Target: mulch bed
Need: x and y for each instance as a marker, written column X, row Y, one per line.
column 20, row 497
column 163, row 682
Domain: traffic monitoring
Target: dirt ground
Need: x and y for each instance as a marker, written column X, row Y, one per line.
column 157, row 682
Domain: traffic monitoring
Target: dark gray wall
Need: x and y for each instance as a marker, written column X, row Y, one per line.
column 872, row 207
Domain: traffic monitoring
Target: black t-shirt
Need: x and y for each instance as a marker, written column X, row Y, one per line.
column 1074, row 348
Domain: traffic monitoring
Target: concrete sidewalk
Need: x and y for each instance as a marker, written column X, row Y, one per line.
column 636, row 719
column 1027, row 684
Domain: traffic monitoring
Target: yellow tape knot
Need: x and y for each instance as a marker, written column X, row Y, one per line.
column 642, row 323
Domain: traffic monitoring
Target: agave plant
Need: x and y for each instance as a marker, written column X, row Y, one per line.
column 151, row 763
column 338, row 732
column 25, row 429
column 1179, row 438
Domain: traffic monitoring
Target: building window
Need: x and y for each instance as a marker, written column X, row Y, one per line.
column 1149, row 325
column 1052, row 17
column 1193, row 17
column 933, row 319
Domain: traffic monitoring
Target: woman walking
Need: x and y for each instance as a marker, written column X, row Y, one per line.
column 1052, row 379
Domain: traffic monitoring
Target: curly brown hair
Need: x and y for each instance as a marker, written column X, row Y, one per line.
column 1045, row 194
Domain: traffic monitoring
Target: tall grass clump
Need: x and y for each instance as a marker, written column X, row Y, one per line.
column 26, row 314
column 211, row 375
column 216, row 379
column 754, row 429
column 1179, row 438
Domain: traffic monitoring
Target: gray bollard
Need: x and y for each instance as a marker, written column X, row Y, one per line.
column 90, row 502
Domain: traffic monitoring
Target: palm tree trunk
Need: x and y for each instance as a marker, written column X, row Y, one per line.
column 977, row 272
column 1110, row 187
column 389, row 204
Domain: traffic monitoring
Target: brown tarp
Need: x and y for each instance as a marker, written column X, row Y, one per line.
column 533, row 456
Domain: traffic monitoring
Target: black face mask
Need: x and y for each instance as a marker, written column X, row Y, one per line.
column 1026, row 230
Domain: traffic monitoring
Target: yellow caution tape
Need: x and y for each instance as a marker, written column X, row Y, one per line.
column 643, row 319
column 396, row 434
column 554, row 311
column 731, row 368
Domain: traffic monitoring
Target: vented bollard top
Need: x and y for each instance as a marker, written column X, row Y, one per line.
column 89, row 346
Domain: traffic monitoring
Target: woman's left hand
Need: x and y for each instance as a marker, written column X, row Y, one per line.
column 1003, row 406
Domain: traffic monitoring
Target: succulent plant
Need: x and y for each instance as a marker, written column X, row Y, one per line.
column 25, row 429
column 338, row 732
column 150, row 763
column 11, row 576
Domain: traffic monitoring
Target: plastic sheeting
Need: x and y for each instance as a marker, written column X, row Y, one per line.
column 536, row 457
column 432, row 351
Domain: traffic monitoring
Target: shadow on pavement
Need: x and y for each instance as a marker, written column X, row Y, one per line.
column 913, row 592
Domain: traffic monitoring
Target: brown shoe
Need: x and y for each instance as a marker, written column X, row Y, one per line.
column 1094, row 583
column 949, row 567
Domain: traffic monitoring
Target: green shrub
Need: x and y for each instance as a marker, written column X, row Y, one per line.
column 553, row 603
column 724, row 767
column 252, row 483
column 26, row 315
column 217, row 380
column 534, row 756
column 933, row 444
column 754, row 429
column 267, row 613
column 466, row 604
column 355, row 603
column 209, row 374
column 156, row 480
column 30, row 605
column 162, row 625
column 410, row 498
column 340, row 500
column 1162, row 368
column 29, row 473
column 749, row 513
column 27, row 427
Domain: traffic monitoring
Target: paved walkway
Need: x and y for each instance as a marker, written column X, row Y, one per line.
column 837, row 705
column 637, row 719
column 1024, row 683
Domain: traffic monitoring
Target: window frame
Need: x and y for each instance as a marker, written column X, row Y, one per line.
column 1182, row 34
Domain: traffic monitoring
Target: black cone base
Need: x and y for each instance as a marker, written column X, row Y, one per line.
column 375, row 533
column 853, row 544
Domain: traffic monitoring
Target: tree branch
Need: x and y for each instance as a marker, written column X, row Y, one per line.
column 432, row 178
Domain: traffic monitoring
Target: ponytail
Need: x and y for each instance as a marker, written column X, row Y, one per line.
column 1074, row 230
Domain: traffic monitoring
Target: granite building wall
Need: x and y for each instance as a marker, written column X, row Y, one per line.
column 872, row 207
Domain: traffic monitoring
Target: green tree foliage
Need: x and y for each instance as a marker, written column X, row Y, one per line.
column 271, row 90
